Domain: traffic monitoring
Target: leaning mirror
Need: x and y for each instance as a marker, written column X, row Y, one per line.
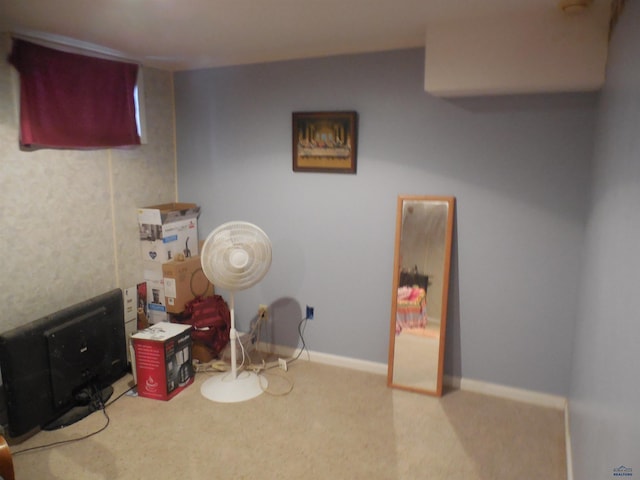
column 424, row 226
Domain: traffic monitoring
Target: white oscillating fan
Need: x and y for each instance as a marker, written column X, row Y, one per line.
column 235, row 256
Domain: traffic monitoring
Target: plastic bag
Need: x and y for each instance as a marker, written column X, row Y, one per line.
column 211, row 321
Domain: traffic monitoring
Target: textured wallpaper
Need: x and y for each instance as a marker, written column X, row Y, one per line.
column 68, row 226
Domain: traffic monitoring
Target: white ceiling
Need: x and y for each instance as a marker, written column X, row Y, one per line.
column 187, row 34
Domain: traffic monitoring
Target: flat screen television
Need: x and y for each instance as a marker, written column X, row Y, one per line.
column 60, row 368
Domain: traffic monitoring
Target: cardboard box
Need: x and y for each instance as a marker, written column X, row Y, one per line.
column 163, row 361
column 130, row 297
column 168, row 230
column 156, row 303
column 142, row 320
column 182, row 282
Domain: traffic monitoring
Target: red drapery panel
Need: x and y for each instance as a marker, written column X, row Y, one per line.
column 74, row 101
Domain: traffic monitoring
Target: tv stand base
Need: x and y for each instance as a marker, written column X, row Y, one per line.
column 79, row 412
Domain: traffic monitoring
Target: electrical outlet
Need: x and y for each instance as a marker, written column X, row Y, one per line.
column 309, row 313
column 262, row 312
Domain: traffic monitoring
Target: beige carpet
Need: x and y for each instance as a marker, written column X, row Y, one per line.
column 335, row 424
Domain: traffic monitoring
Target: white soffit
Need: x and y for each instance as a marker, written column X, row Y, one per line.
column 543, row 50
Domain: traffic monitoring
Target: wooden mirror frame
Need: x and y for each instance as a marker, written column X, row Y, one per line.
column 450, row 201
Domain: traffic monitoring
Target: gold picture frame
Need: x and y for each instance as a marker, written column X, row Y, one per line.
column 325, row 141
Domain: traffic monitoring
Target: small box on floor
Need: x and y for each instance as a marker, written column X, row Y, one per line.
column 163, row 360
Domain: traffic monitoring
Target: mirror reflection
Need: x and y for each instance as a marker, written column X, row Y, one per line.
column 420, row 288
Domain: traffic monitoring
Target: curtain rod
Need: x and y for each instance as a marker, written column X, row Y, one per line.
column 71, row 45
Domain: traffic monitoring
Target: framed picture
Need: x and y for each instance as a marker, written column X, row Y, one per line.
column 325, row 142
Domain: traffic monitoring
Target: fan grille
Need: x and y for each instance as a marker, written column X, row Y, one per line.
column 236, row 255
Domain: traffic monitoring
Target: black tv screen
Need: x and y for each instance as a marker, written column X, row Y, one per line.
column 53, row 366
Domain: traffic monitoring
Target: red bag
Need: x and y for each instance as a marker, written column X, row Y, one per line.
column 211, row 321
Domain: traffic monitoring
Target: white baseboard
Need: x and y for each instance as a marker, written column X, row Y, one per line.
column 527, row 396
column 329, row 359
column 511, row 393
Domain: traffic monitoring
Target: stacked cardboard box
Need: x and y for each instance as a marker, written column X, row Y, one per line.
column 161, row 351
column 168, row 235
column 168, row 231
column 183, row 281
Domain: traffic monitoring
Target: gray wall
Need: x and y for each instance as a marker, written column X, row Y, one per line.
column 604, row 408
column 519, row 167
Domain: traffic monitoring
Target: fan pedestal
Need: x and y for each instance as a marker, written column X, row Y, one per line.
column 225, row 388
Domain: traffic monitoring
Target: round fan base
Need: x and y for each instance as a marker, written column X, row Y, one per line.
column 226, row 389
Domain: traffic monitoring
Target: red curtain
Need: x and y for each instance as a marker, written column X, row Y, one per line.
column 74, row 101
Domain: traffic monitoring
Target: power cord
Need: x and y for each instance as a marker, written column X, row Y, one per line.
column 265, row 368
column 209, row 367
column 100, row 406
column 261, row 368
column 114, row 400
column 301, row 327
column 284, row 377
column 216, row 365
column 64, row 442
